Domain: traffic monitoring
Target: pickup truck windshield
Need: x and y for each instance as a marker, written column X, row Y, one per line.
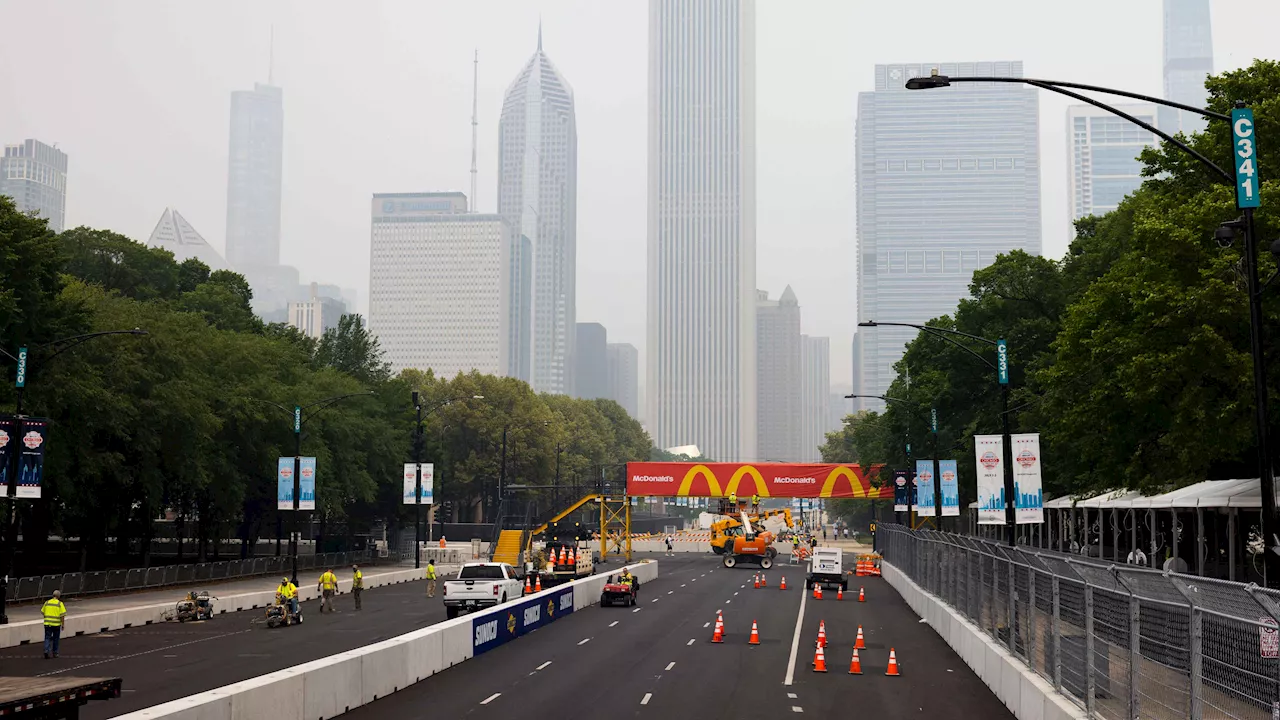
column 481, row 572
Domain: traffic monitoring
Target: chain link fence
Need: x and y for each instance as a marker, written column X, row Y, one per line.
column 1122, row 641
column 109, row 581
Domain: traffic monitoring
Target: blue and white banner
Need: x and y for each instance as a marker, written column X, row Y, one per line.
column 924, row 489
column 989, row 456
column 950, row 480
column 411, row 482
column 307, row 483
column 30, row 450
column 284, row 483
column 491, row 628
column 901, row 491
column 1028, row 485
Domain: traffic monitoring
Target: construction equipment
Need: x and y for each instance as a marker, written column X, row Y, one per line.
column 197, row 605
column 566, row 555
column 738, row 541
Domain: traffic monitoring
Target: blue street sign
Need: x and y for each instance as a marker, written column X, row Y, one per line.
column 21, row 379
column 1248, row 194
column 1002, row 361
column 933, row 419
column 297, row 419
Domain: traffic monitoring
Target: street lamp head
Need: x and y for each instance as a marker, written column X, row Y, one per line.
column 138, row 331
column 928, row 83
column 477, row 397
column 867, row 323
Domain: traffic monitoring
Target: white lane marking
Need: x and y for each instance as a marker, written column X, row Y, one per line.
column 671, row 664
column 742, row 586
column 637, row 610
column 735, row 594
column 791, row 696
column 691, row 641
column 145, row 652
column 544, row 665
column 584, row 641
column 795, row 641
column 490, row 699
column 706, row 624
column 654, row 600
column 797, row 708
column 670, row 591
column 645, row 700
column 615, row 622
column 683, row 585
column 726, row 602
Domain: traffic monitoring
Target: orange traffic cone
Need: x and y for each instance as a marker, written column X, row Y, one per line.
column 717, row 635
column 855, row 665
column 819, row 660
column 573, row 556
column 563, row 557
column 893, row 664
column 817, row 591
column 757, row 582
column 859, row 644
column 822, row 634
column 783, row 584
column 764, row 581
column 755, row 634
column 862, row 594
column 537, row 587
column 528, row 585
column 840, row 593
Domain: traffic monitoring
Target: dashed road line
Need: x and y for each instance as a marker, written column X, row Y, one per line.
column 584, row 641
column 691, row 641
column 637, row 610
column 645, row 700
column 797, row 709
column 671, row 664
column 544, row 665
column 490, row 699
column 615, row 622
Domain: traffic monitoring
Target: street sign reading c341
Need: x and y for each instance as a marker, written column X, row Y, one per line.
column 1248, row 192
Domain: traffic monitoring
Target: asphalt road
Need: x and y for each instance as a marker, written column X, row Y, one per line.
column 163, row 662
column 657, row 661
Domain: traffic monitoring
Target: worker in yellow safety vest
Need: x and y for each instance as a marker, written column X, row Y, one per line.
column 328, row 587
column 755, row 503
column 431, row 578
column 733, row 501
column 288, row 592
column 357, row 583
column 55, row 614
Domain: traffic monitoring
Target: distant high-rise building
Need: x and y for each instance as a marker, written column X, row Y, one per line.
column 1103, row 149
column 778, row 377
column 624, row 376
column 702, row 227
column 317, row 314
column 815, row 396
column 1188, row 60
column 175, row 234
column 254, row 177
column 35, row 176
column 538, row 194
column 930, row 213
column 591, row 369
column 440, row 284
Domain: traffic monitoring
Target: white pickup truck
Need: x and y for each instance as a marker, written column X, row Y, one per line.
column 481, row 585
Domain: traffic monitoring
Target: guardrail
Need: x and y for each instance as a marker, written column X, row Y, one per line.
column 107, row 581
column 1121, row 641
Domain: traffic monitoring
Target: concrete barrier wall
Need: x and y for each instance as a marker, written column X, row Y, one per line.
column 1027, row 695
column 89, row 623
column 331, row 686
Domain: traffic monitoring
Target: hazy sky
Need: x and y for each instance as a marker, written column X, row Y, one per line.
column 378, row 99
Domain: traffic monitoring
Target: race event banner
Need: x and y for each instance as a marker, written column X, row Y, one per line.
column 989, row 452
column 1028, row 484
column 284, row 483
column 508, row 622
column 307, row 483
column 950, row 488
column 810, row 480
column 924, row 489
column 901, row 492
column 30, row 450
column 411, row 482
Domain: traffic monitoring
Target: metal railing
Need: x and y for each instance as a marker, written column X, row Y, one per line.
column 79, row 584
column 1122, row 641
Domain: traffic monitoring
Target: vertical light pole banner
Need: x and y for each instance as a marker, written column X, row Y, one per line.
column 31, row 457
column 901, row 495
column 307, row 483
column 284, row 483
column 1028, row 484
column 924, row 488
column 411, row 482
column 989, row 452
column 950, row 480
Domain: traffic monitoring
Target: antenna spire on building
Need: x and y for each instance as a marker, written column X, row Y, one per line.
column 271, row 58
column 539, row 33
column 475, row 89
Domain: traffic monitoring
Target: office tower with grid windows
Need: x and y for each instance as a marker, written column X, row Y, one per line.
column 624, row 376
column 947, row 179
column 1188, row 60
column 35, row 176
column 1103, row 149
column 701, row 227
column 815, row 396
column 778, row 373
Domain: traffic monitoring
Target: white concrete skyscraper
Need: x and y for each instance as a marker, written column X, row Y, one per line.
column 701, row 347
column 538, row 194
column 254, row 177
column 1188, row 60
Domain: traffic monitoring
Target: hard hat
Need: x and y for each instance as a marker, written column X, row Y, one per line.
column 284, row 580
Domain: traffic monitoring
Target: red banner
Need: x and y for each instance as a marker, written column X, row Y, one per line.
column 805, row 480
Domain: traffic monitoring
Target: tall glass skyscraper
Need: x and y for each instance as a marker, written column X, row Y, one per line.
column 701, row 345
column 947, row 179
column 538, row 194
column 1188, row 59
column 1104, row 150
column 254, row 177
column 35, row 176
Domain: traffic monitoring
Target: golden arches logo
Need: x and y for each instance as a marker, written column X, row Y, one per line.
column 856, row 485
column 761, row 488
column 713, row 485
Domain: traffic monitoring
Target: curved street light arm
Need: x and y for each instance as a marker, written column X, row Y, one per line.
column 75, row 340
column 915, row 406
column 322, row 404
column 1096, row 88
column 278, row 406
column 962, row 346
column 874, row 323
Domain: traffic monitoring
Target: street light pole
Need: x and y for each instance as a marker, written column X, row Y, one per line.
column 933, row 425
column 417, row 483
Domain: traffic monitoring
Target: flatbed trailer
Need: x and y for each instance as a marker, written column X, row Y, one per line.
column 52, row 698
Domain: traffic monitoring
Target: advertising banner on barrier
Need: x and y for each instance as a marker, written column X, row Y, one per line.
column 307, row 483
column 901, row 491
column 989, row 452
column 924, row 489
column 284, row 483
column 1028, row 484
column 687, row 479
column 491, row 628
column 950, row 480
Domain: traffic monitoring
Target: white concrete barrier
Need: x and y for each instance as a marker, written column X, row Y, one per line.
column 1027, row 695
column 76, row 623
column 331, row 686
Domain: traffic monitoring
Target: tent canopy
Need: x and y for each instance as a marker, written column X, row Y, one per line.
column 1240, row 493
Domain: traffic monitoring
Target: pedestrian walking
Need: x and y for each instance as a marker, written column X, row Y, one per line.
column 328, row 587
column 357, row 584
column 670, row 552
column 431, row 578
column 55, row 614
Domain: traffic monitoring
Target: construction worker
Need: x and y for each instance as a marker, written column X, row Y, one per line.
column 288, row 592
column 357, row 583
column 328, row 587
column 626, row 578
column 55, row 614
column 755, row 503
column 431, row 578
column 733, row 502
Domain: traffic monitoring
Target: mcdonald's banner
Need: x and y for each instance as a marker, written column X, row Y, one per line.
column 768, row 480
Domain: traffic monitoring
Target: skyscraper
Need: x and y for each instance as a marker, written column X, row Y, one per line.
column 815, row 396
column 778, row 382
column 254, row 173
column 947, row 179
column 537, row 193
column 1188, row 60
column 702, row 227
column 624, row 376
column 591, row 367
column 1103, row 150
column 175, row 234
column 35, row 176
column 440, row 284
